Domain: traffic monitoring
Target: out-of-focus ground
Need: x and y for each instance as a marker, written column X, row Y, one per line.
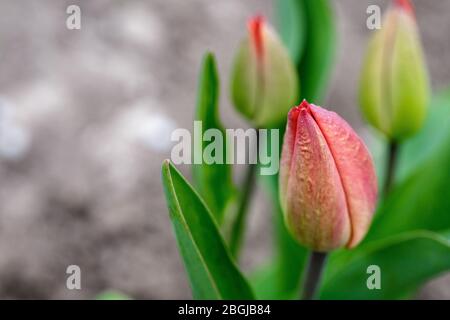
column 85, row 122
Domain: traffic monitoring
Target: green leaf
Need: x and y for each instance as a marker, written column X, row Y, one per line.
column 421, row 197
column 211, row 271
column 320, row 47
column 291, row 23
column 266, row 284
column 406, row 261
column 422, row 201
column 213, row 181
column 112, row 295
column 308, row 30
column 430, row 138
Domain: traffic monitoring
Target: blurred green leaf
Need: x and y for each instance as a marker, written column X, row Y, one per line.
column 213, row 181
column 308, row 30
column 430, row 138
column 320, row 47
column 112, row 295
column 406, row 261
column 211, row 271
column 291, row 23
column 266, row 283
column 422, row 201
column 421, row 197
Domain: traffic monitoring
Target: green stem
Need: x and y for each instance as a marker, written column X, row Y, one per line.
column 313, row 274
column 390, row 167
column 238, row 226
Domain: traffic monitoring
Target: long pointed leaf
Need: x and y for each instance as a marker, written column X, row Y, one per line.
column 291, row 22
column 213, row 181
column 212, row 273
column 320, row 46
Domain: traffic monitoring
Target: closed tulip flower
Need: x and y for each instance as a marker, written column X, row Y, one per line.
column 328, row 187
column 264, row 81
column 394, row 87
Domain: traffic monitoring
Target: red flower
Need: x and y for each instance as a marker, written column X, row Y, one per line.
column 328, row 187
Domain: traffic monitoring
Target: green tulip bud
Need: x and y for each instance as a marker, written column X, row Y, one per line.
column 394, row 87
column 264, row 82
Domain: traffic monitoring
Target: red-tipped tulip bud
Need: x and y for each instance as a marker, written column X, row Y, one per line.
column 264, row 81
column 328, row 187
column 394, row 85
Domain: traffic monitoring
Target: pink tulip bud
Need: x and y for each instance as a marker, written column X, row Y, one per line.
column 328, row 187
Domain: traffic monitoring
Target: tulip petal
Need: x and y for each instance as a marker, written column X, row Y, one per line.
column 355, row 167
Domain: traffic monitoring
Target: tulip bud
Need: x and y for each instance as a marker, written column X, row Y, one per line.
column 328, row 187
column 264, row 79
column 394, row 85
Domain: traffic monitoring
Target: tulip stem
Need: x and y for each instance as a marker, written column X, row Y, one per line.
column 313, row 274
column 238, row 225
column 390, row 167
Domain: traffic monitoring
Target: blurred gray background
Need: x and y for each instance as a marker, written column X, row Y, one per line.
column 85, row 122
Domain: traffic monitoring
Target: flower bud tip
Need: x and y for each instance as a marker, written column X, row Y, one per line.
column 405, row 5
column 304, row 105
column 255, row 25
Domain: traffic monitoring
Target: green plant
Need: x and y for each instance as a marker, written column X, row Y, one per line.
column 411, row 223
